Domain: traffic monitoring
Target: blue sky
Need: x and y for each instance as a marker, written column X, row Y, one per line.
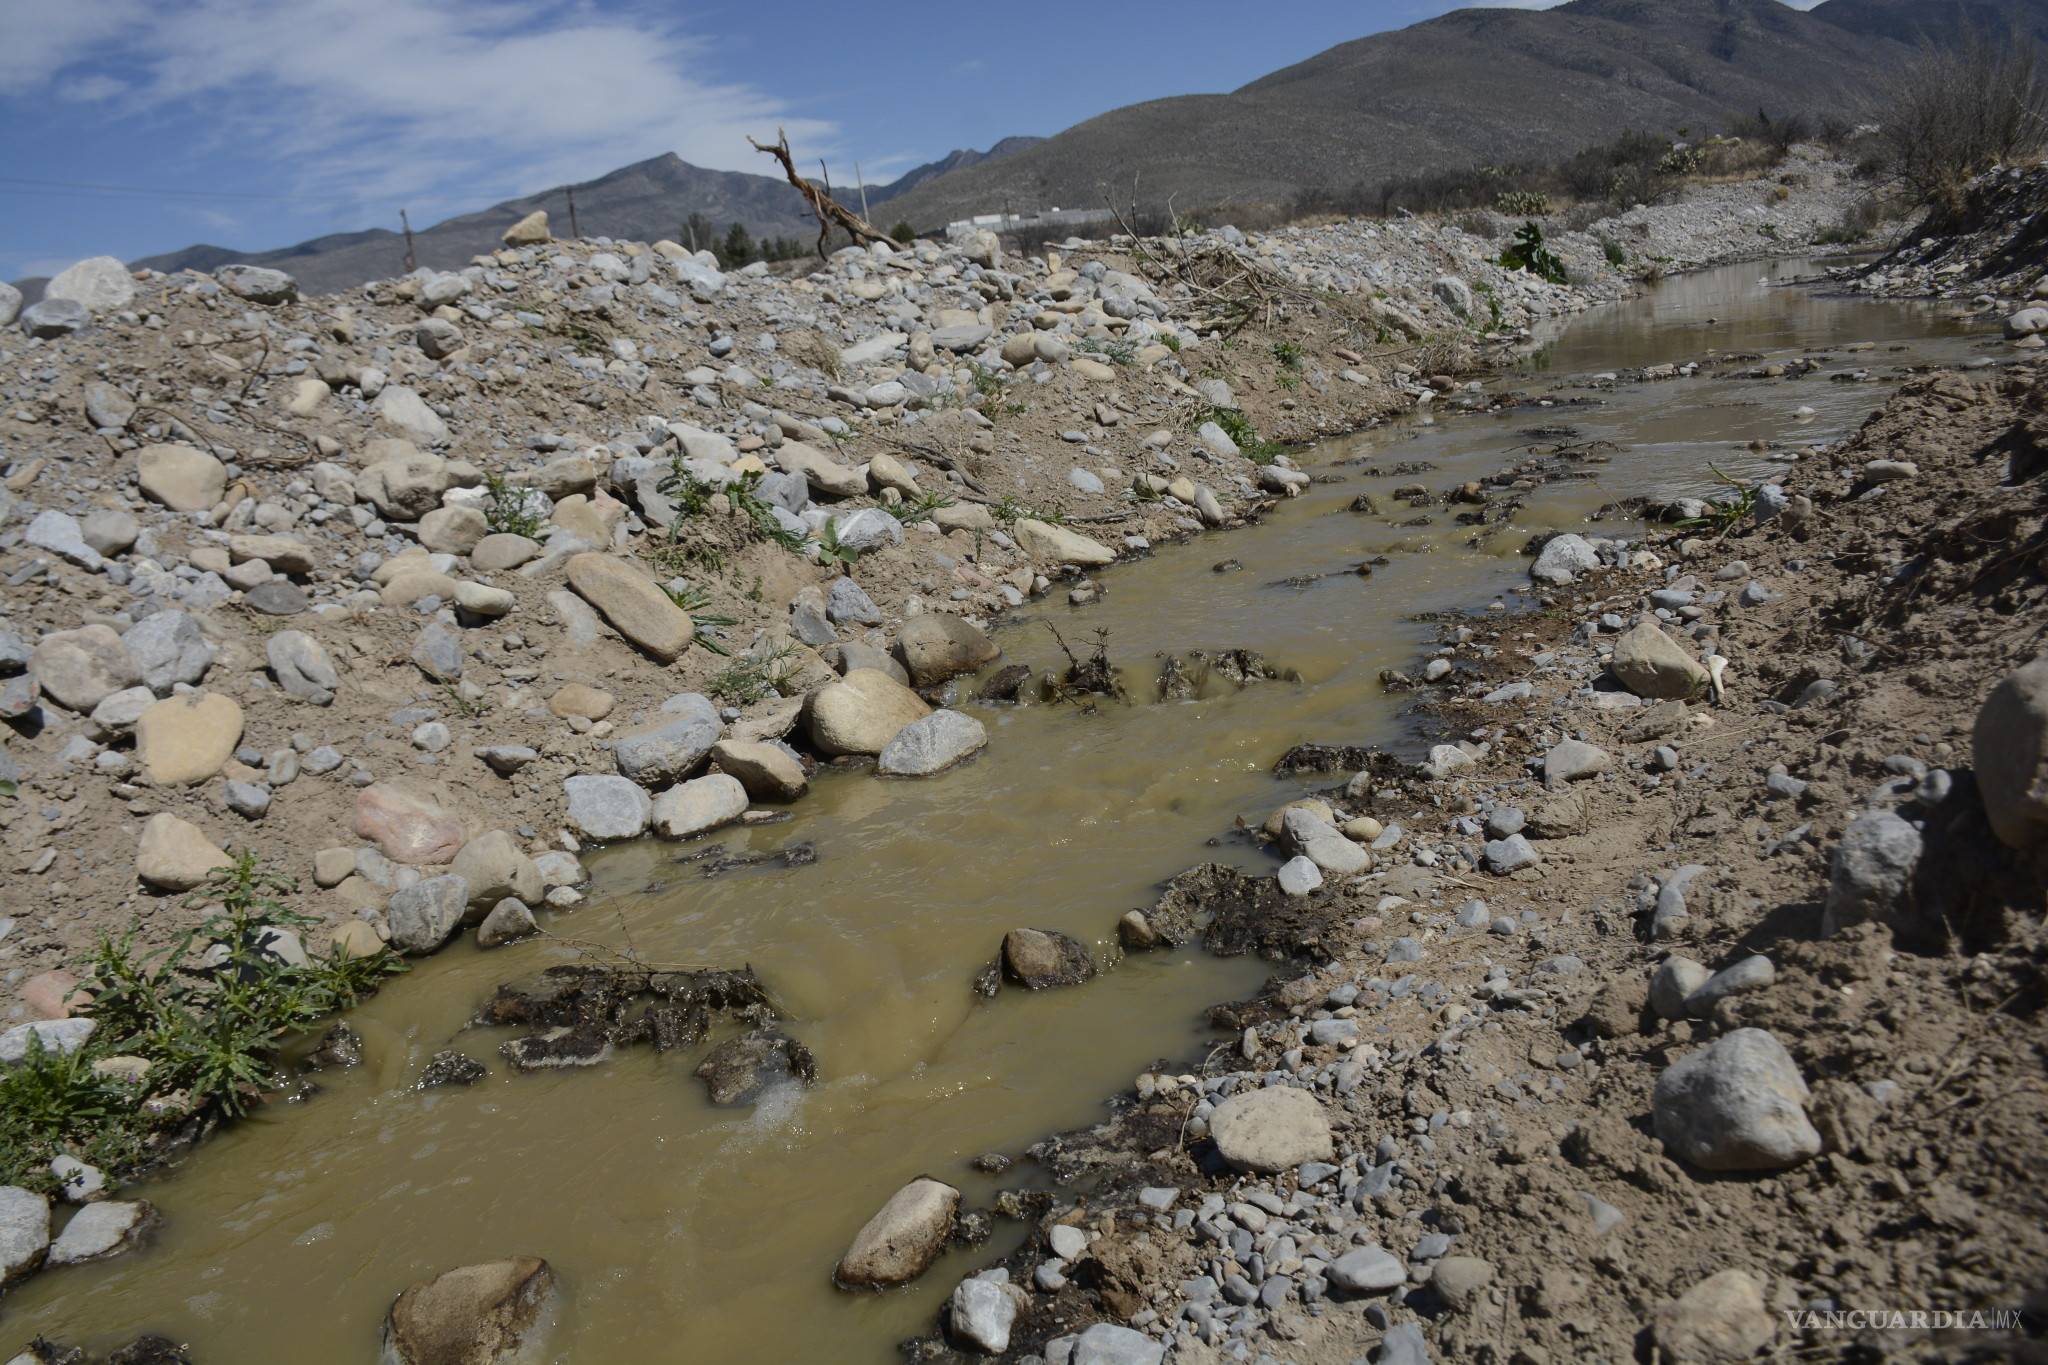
column 148, row 125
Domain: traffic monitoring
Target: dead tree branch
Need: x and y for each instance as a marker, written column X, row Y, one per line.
column 828, row 209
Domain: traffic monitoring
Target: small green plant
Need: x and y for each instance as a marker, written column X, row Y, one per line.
column 751, row 677
column 1171, row 341
column 919, row 508
column 507, row 510
column 1529, row 253
column 831, row 550
column 1491, row 297
column 1115, row 352
column 1731, row 511
column 1523, row 203
column 462, row 705
column 1616, row 257
column 690, row 494
column 1288, row 353
column 761, row 517
column 987, row 382
column 903, row 232
column 674, row 556
column 1241, row 432
column 1008, row 511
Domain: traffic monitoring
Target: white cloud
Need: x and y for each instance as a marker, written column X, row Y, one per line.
column 387, row 100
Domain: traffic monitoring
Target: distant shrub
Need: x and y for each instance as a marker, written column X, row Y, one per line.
column 1531, row 254
column 1523, row 203
column 1954, row 113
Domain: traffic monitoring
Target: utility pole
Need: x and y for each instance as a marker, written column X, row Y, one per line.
column 690, row 231
column 863, row 191
column 411, row 261
column 573, row 232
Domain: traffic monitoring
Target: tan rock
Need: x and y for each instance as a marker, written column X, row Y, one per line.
column 54, row 995
column 1093, row 370
column 768, row 771
column 188, row 738
column 453, row 530
column 823, row 473
column 1719, row 1321
column 495, row 867
column 581, row 699
column 934, row 647
column 176, row 855
column 333, row 866
column 633, row 604
column 1057, row 545
column 1650, row 663
column 902, row 1240
column 407, row 588
column 286, row 554
column 79, row 669
column 491, row 1314
column 532, row 230
column 501, row 551
column 357, row 938
column 861, row 712
column 181, row 477
column 406, row 827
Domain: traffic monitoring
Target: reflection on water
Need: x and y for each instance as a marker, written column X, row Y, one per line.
column 682, row 1231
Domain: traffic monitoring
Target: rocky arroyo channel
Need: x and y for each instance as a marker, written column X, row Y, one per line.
column 684, row 1230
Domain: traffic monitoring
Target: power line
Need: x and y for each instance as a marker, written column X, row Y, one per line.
column 84, row 188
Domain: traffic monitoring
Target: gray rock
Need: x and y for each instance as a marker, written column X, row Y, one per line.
column 847, row 603
column 1367, row 1270
column 278, row 597
column 10, row 304
column 24, row 1232
column 1106, row 1343
column 1738, row 1104
column 437, row 649
column 607, row 807
column 673, row 747
column 1650, row 663
column 904, row 1237
column 61, row 535
column 423, row 915
column 110, row 530
column 53, row 318
column 981, row 1313
column 101, row 283
column 935, row 647
column 932, row 744
column 1872, row 874
column 79, row 669
column 507, row 759
column 100, row 1231
column 61, row 1036
column 1572, row 760
column 1298, row 876
column 1510, row 854
column 1752, row 973
column 302, row 667
column 169, row 648
column 258, row 284
column 509, row 921
column 1563, row 558
column 2009, row 744
column 250, row 800
column 1673, row 983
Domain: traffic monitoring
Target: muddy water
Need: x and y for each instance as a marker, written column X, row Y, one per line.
column 687, row 1232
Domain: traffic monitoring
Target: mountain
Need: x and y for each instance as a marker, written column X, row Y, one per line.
column 1941, row 22
column 642, row 202
column 1473, row 87
column 952, row 161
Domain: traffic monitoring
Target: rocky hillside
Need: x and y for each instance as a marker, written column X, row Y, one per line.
column 1473, row 87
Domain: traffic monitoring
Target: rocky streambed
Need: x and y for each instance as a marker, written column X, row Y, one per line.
column 1346, row 1166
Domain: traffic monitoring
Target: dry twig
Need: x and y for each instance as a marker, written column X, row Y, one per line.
column 828, row 209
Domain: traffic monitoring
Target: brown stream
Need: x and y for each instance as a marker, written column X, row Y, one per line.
column 684, row 1232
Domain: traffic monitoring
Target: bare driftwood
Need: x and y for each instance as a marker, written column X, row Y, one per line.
column 828, row 209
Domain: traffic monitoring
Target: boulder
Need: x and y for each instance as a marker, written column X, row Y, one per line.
column 423, row 916
column 931, row 744
column 302, row 667
column 1738, row 1104
column 672, row 747
column 904, row 1237
column 407, row 828
column 175, row 855
column 1650, row 663
column 1563, row 558
column 1050, row 544
column 861, row 713
column 1037, row 959
column 603, row 807
column 24, row 1232
column 170, row 648
column 739, row 1070
column 495, row 867
column 1573, row 760
column 1271, row 1130
column 532, row 230
column 104, row 1230
column 257, row 283
column 820, row 471
column 79, row 669
column 982, row 1311
column 769, row 771
column 453, row 530
column 2009, row 745
column 109, row 530
column 406, row 484
column 633, row 604
column 495, row 1313
column 101, row 284
column 405, row 410
column 934, row 647
column 180, row 477
column 699, row 806
column 1719, row 1321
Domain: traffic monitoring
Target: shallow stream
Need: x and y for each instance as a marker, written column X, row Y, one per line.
column 684, row 1232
